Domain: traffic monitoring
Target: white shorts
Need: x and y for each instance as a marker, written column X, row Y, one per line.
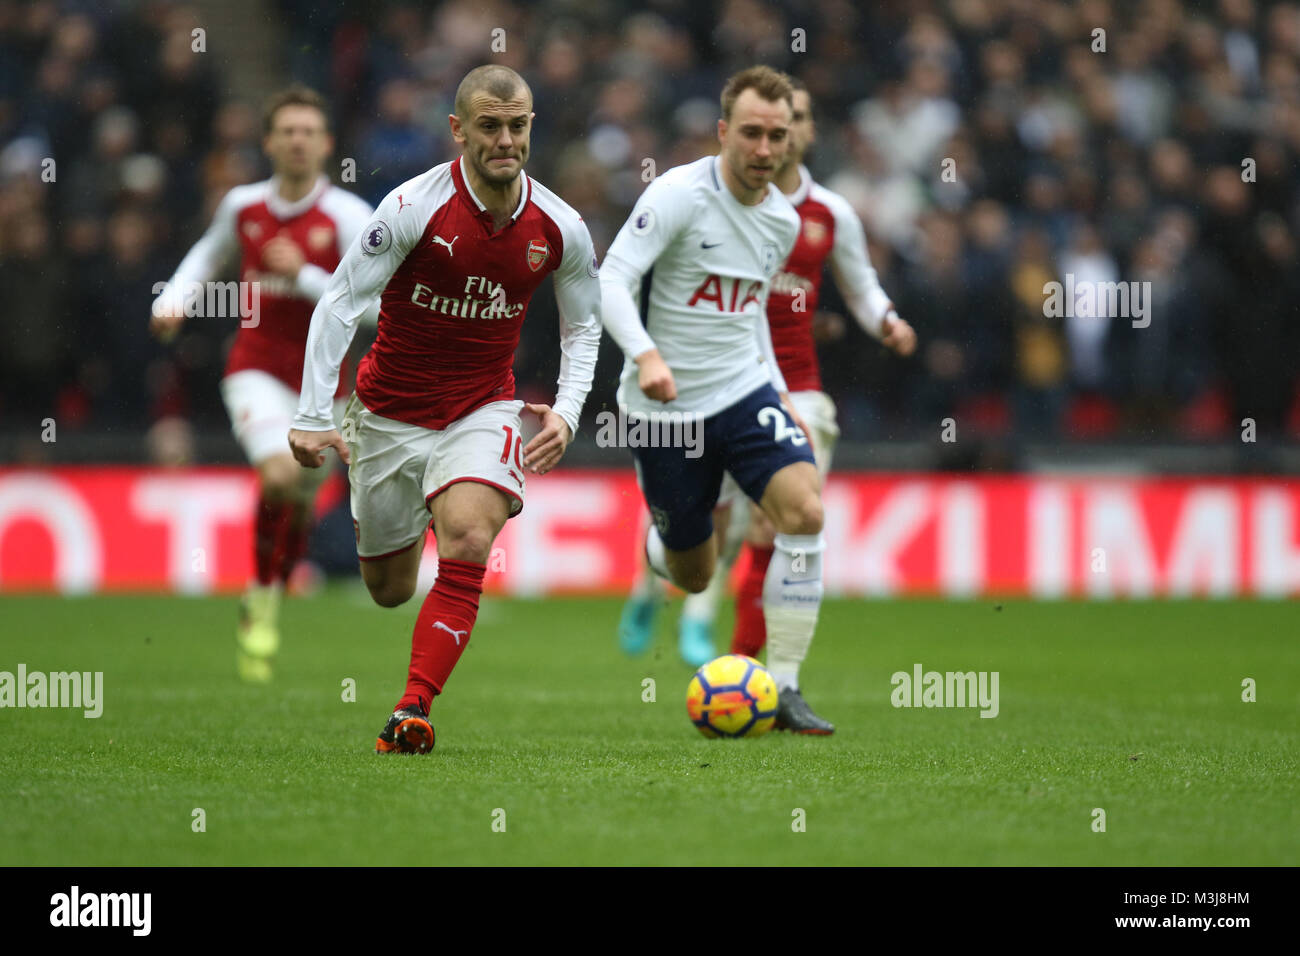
column 398, row 468
column 261, row 410
column 818, row 413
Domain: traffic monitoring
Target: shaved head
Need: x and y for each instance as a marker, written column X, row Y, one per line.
column 492, row 81
column 491, row 125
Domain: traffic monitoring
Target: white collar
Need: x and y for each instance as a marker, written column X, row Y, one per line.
column 803, row 189
column 281, row 208
column 523, row 191
column 720, row 185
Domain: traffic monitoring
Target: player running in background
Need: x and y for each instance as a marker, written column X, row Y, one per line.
column 433, row 428
column 290, row 232
column 715, row 232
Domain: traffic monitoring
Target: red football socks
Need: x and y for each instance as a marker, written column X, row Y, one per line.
column 280, row 540
column 268, row 529
column 442, row 630
column 751, row 628
column 293, row 544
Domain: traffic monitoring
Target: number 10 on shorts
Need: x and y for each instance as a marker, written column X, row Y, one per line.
column 519, row 445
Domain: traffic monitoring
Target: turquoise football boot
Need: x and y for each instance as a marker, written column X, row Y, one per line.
column 636, row 626
column 695, row 641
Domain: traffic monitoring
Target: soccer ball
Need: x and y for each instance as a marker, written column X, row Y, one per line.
column 732, row 696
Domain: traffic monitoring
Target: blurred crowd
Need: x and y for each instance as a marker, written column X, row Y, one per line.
column 990, row 146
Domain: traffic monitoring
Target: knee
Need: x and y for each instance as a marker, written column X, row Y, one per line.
column 803, row 515
column 694, row 584
column 279, row 479
column 472, row 542
column 692, row 580
column 390, row 596
column 389, row 593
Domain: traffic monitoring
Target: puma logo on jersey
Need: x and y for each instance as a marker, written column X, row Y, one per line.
column 455, row 634
column 438, row 240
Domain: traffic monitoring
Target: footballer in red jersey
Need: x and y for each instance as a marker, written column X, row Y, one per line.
column 289, row 233
column 433, row 429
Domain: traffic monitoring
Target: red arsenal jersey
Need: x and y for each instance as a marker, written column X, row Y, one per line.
column 274, row 311
column 453, row 298
column 829, row 230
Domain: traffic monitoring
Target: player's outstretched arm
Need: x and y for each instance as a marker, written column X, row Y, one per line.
column 204, row 260
column 623, row 321
column 361, row 276
column 660, row 215
column 858, row 282
column 618, row 309
column 897, row 334
column 577, row 299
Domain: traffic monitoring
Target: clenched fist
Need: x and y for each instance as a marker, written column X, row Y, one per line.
column 654, row 377
column 307, row 447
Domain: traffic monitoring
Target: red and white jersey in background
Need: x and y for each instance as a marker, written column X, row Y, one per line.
column 453, row 299
column 322, row 224
column 829, row 228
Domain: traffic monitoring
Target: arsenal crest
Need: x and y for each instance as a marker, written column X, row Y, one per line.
column 538, row 250
column 320, row 238
column 814, row 232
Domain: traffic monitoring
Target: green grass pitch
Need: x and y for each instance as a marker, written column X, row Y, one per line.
column 1132, row 707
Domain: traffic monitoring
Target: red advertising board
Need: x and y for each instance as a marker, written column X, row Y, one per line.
column 80, row 530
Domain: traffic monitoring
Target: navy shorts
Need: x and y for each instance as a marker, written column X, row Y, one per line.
column 753, row 439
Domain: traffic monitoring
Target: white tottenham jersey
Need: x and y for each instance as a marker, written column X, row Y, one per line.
column 713, row 259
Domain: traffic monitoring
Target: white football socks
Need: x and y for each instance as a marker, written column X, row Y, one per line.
column 792, row 597
column 650, row 584
column 655, row 553
column 646, row 585
column 704, row 606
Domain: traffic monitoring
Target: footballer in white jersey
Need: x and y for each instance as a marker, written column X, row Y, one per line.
column 831, row 236
column 714, row 259
column 715, row 232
